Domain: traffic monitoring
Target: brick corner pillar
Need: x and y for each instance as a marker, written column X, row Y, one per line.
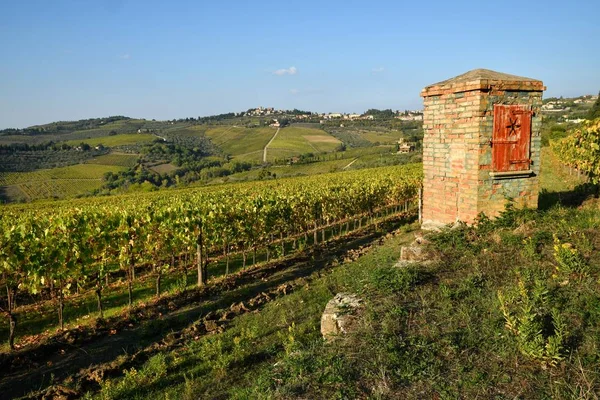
column 481, row 145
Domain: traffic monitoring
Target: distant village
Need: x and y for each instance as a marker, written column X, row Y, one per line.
column 405, row 115
column 563, row 107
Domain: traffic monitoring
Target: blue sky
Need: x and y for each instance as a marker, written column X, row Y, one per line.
column 66, row 60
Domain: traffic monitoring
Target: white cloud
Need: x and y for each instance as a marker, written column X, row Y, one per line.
column 294, row 91
column 377, row 70
column 125, row 56
column 286, row 71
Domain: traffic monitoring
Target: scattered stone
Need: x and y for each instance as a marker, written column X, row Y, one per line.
column 411, row 253
column 420, row 238
column 417, row 252
column 525, row 229
column 58, row 392
column 211, row 325
column 432, row 226
column 284, row 288
column 238, row 308
column 227, row 315
column 339, row 315
column 211, row 316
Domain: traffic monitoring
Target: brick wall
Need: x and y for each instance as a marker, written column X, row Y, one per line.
column 457, row 156
column 450, row 156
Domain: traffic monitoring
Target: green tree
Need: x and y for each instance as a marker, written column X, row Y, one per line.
column 595, row 110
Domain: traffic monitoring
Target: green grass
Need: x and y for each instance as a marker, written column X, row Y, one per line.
column 555, row 177
column 115, row 159
column 116, row 140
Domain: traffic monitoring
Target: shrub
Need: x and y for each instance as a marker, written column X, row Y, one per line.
column 540, row 329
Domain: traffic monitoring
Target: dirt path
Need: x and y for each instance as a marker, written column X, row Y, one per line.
column 130, row 342
column 351, row 162
column 267, row 145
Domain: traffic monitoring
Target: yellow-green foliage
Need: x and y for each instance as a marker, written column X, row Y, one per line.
column 581, row 149
column 58, row 182
column 525, row 310
column 569, row 259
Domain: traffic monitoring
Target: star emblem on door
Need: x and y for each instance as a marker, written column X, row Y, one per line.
column 513, row 126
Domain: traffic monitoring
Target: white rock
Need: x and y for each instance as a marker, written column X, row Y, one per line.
column 339, row 314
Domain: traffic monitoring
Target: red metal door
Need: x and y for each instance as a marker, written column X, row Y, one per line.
column 511, row 138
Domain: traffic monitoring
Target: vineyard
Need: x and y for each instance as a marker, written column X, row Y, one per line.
column 238, row 140
column 56, row 250
column 581, row 150
column 61, row 182
column 294, row 141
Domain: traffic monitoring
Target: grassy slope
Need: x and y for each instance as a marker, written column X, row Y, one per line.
column 434, row 331
column 57, row 182
column 295, row 141
column 122, row 126
column 426, row 332
column 358, row 158
column 242, row 143
column 80, row 171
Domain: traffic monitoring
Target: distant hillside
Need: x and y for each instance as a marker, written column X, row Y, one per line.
column 154, row 154
column 570, row 109
column 62, row 127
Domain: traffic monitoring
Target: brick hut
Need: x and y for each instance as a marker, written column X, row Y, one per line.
column 481, row 145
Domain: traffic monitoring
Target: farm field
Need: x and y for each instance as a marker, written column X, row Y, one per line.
column 61, row 182
column 352, row 159
column 292, row 141
column 245, row 144
column 163, row 168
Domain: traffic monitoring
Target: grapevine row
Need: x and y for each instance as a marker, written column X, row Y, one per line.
column 581, row 149
column 59, row 248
